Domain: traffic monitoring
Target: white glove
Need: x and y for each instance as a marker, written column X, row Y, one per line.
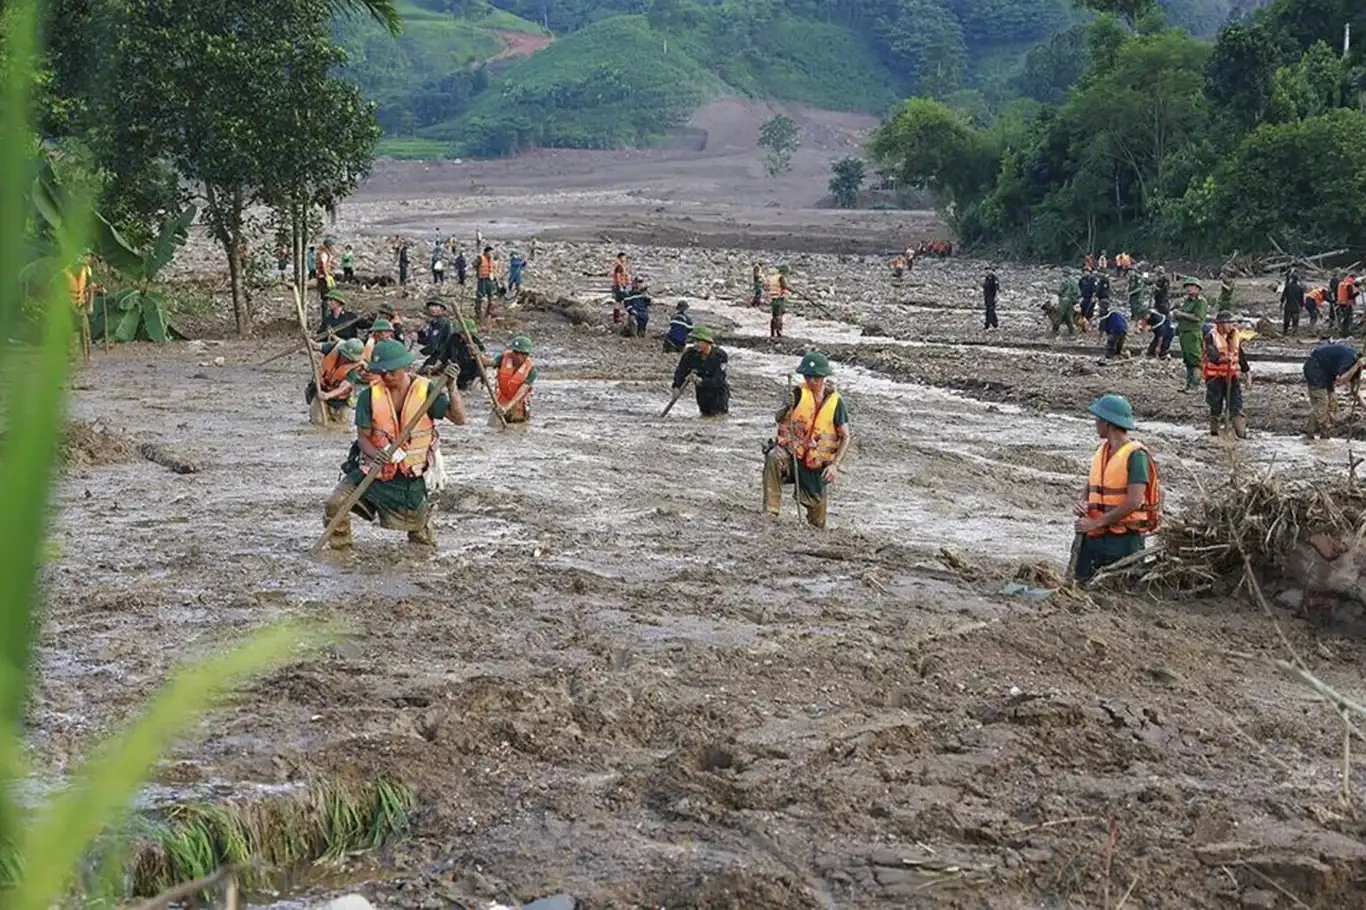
column 398, row 456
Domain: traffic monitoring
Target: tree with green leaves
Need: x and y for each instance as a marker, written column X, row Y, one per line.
column 1240, row 76
column 779, row 138
column 846, row 179
column 926, row 144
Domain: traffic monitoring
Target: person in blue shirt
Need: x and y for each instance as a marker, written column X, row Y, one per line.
column 637, row 306
column 516, row 264
column 1163, row 329
column 676, row 339
column 1115, row 328
column 311, row 262
column 1329, row 366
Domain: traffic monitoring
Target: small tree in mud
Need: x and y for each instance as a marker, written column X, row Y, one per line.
column 778, row 137
column 846, row 179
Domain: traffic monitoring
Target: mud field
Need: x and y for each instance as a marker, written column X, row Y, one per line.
column 616, row 678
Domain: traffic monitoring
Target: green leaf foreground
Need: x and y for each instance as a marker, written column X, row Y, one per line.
column 53, row 840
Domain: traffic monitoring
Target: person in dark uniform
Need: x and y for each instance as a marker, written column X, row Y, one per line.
column 991, row 286
column 435, row 334
column 708, row 362
column 1329, row 366
column 338, row 321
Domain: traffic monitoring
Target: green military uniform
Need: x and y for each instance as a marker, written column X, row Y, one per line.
column 1068, row 295
column 782, row 466
column 1190, row 333
column 1138, row 307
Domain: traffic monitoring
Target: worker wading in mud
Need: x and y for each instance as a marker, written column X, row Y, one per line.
column 676, row 338
column 637, row 306
column 777, row 303
column 1122, row 500
column 813, row 437
column 516, row 374
column 1328, row 367
column 341, row 376
column 707, row 362
column 398, row 496
column 1226, row 371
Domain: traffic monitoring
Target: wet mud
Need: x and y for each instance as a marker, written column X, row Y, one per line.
column 617, row 678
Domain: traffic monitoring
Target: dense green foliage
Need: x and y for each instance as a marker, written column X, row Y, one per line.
column 1161, row 142
column 779, row 138
column 846, row 179
column 858, row 55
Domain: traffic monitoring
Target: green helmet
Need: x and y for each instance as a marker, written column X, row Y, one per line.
column 351, row 349
column 389, row 356
column 521, row 344
column 702, row 333
column 381, row 325
column 815, row 364
column 1114, row 409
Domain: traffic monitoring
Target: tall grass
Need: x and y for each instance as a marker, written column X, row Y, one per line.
column 49, row 843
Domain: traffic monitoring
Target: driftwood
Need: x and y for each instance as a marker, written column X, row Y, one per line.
column 159, row 455
column 577, row 312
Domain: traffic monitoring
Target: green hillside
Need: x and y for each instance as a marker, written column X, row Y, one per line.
column 616, row 77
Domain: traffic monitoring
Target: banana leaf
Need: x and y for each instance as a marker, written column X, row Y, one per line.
column 110, row 246
column 170, row 239
column 153, row 317
column 129, row 323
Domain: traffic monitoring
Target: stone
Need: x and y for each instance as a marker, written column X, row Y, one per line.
column 556, row 902
column 347, row 902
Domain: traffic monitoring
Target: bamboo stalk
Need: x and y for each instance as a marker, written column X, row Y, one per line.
column 312, row 355
column 479, row 363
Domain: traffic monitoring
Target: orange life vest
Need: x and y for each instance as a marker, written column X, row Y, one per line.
column 335, row 369
column 809, row 433
column 1107, row 488
column 484, row 264
column 324, row 262
column 899, row 262
column 510, row 381
column 385, row 426
column 1319, row 294
column 619, row 277
column 777, row 286
column 1090, row 261
column 1346, row 291
column 1227, row 346
column 77, row 282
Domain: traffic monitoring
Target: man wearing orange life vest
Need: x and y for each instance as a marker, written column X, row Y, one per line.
column 340, row 373
column 1122, row 500
column 813, row 437
column 82, row 292
column 621, row 284
column 398, row 496
column 516, row 376
column 486, row 270
column 1347, row 299
column 1225, row 371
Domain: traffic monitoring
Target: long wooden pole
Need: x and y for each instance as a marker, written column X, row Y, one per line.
column 295, row 348
column 477, row 354
column 678, row 393
column 312, row 355
column 383, row 459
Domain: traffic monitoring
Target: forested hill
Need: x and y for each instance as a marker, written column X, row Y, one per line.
column 623, row 72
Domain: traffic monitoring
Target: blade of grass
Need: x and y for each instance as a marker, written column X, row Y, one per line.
column 105, row 785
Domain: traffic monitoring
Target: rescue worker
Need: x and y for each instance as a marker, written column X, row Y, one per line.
column 1225, row 291
column 387, row 311
column 1103, row 263
column 516, row 265
column 1162, row 286
column 516, row 375
column 758, row 285
column 1346, row 299
column 82, row 294
column 1122, row 499
column 1226, row 372
column 1089, row 262
column 1292, row 302
column 380, row 330
column 282, row 257
column 486, row 285
column 991, row 286
column 311, row 262
column 340, row 373
column 679, row 328
column 459, row 353
column 398, row 495
column 1329, row 366
column 1115, row 328
column 461, row 267
column 1190, row 323
column 338, row 321
column 438, row 264
column 1103, row 293
column 1316, row 302
column 621, row 283
column 1066, row 312
column 1087, row 287
column 707, row 362
column 1163, row 329
column 403, row 263
column 349, row 265
column 898, row 264
column 813, row 438
column 435, row 334
column 777, row 301
column 637, row 307
column 325, row 264
column 1136, row 292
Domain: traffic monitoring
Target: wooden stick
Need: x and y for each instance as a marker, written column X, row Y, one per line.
column 1077, row 540
column 295, row 348
column 478, row 356
column 383, row 459
column 678, row 393
column 312, row 356
column 226, row 874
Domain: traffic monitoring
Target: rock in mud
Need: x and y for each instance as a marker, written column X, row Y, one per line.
column 347, row 902
column 557, row 902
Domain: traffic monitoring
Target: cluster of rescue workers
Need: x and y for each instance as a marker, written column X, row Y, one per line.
column 397, row 400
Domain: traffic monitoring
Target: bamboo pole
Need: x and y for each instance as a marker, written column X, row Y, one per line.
column 312, row 355
column 479, row 362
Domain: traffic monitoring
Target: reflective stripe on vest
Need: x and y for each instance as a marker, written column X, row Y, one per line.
column 510, row 381
column 485, row 266
column 1107, row 488
column 811, row 435
column 775, row 287
column 1228, row 357
column 385, row 426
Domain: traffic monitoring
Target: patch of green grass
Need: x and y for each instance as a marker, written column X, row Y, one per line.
column 269, row 836
column 413, row 149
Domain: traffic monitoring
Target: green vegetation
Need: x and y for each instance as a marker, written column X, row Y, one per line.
column 267, row 837
column 412, row 149
column 1161, row 143
column 779, row 139
column 846, row 179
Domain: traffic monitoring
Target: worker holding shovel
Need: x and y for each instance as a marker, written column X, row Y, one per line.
column 397, row 496
column 707, row 362
column 516, row 375
column 813, row 437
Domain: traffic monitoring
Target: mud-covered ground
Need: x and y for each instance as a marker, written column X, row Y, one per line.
column 617, row 678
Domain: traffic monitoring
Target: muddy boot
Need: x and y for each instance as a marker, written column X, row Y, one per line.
column 1190, row 380
column 423, row 536
column 1214, row 425
column 815, row 513
column 1240, row 427
column 774, row 468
